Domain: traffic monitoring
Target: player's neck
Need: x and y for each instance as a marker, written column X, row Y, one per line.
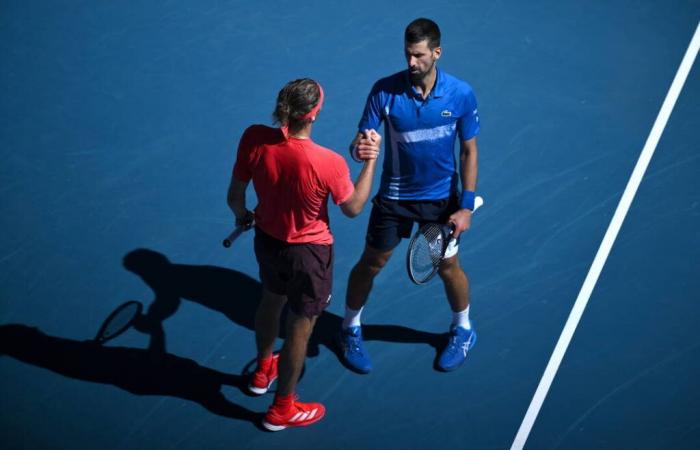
column 303, row 132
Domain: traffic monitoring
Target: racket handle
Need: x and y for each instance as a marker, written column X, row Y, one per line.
column 478, row 202
column 233, row 236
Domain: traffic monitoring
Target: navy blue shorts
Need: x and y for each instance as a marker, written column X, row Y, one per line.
column 302, row 272
column 392, row 220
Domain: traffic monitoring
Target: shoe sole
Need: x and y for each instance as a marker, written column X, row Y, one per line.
column 260, row 391
column 271, row 427
column 355, row 369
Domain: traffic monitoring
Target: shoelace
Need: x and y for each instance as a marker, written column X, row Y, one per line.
column 354, row 344
column 454, row 344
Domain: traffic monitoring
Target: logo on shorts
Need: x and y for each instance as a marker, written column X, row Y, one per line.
column 328, row 300
column 446, row 113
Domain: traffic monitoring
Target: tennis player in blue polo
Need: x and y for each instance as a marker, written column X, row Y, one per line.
column 424, row 110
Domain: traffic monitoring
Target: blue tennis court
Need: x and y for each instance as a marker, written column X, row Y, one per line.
column 119, row 130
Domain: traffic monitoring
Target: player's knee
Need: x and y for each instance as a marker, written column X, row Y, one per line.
column 370, row 265
column 450, row 268
column 373, row 262
column 365, row 269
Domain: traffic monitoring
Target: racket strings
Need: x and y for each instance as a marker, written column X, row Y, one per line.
column 426, row 252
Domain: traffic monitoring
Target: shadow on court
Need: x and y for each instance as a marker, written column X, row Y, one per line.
column 154, row 371
column 135, row 370
column 235, row 295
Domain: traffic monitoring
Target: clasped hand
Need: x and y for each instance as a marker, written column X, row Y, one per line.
column 369, row 145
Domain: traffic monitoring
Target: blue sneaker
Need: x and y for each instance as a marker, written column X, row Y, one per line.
column 354, row 353
column 454, row 355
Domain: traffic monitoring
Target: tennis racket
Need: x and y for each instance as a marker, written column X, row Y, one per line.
column 242, row 225
column 120, row 320
column 427, row 248
column 234, row 235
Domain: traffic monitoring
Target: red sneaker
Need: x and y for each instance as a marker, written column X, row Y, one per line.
column 265, row 374
column 288, row 412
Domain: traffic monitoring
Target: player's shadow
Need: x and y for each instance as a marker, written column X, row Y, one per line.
column 236, row 295
column 134, row 370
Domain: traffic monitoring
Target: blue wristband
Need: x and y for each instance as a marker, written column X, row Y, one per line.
column 467, row 200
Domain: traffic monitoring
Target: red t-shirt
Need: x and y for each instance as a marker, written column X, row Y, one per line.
column 292, row 178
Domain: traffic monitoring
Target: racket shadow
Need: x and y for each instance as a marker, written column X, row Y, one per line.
column 226, row 291
column 236, row 295
column 134, row 370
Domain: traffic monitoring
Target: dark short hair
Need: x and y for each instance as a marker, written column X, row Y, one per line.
column 294, row 100
column 423, row 29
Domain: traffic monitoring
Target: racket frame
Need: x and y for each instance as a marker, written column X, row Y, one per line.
column 447, row 230
column 100, row 338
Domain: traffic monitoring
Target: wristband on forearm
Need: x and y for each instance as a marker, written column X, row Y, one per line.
column 467, row 200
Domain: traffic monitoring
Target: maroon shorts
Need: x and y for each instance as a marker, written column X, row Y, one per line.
column 302, row 272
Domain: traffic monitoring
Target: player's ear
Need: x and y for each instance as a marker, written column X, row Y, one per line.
column 437, row 51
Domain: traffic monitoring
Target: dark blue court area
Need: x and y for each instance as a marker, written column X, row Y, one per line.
column 119, row 124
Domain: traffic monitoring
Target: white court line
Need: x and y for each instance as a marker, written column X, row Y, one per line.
column 608, row 240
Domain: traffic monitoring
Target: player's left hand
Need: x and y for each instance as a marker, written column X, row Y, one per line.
column 462, row 220
column 246, row 220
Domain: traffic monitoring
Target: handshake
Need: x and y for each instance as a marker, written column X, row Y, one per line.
column 366, row 146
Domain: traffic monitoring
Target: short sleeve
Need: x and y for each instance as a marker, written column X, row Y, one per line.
column 468, row 125
column 372, row 115
column 338, row 180
column 242, row 169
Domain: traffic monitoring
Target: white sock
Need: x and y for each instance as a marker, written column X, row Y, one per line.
column 462, row 319
column 352, row 317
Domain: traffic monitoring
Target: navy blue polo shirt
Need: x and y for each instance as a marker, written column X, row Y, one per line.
column 419, row 134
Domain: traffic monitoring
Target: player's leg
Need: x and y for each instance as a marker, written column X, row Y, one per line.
column 387, row 226
column 456, row 284
column 267, row 315
column 286, row 410
column 360, row 283
column 462, row 335
column 293, row 352
column 267, row 320
column 309, row 290
column 362, row 276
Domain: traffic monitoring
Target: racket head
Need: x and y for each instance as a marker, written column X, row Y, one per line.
column 426, row 251
column 119, row 321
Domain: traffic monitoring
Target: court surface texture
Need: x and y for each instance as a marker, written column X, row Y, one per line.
column 119, row 125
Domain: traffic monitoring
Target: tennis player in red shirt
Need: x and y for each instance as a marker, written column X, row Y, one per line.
column 293, row 178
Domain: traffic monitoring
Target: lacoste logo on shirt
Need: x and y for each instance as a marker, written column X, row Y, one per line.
column 446, row 113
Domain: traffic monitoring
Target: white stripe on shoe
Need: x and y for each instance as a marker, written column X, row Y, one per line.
column 301, row 418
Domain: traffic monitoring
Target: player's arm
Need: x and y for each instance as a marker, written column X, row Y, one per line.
column 468, row 166
column 241, row 171
column 368, row 144
column 236, row 201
